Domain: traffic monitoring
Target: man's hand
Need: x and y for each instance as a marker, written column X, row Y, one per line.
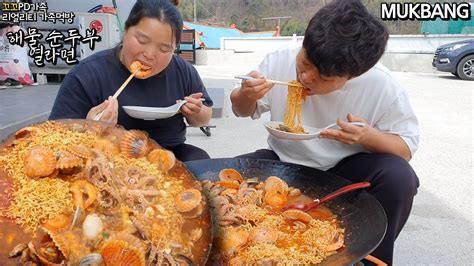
column 110, row 109
column 369, row 137
column 255, row 88
column 349, row 133
column 244, row 99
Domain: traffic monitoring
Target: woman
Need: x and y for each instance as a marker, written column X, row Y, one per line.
column 152, row 33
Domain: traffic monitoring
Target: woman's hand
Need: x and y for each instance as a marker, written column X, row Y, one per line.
column 196, row 113
column 110, row 109
column 349, row 133
column 193, row 104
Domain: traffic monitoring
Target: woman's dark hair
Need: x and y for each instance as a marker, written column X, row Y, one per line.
column 163, row 10
column 343, row 38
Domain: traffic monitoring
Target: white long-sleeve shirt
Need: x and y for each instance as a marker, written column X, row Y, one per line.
column 375, row 96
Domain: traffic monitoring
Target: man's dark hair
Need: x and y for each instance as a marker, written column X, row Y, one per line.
column 163, row 10
column 343, row 38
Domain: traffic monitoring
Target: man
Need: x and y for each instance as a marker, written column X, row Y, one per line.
column 337, row 65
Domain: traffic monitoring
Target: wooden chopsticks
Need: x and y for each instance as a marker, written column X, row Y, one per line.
column 117, row 93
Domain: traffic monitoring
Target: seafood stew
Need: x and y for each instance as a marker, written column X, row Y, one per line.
column 252, row 228
column 359, row 213
column 84, row 192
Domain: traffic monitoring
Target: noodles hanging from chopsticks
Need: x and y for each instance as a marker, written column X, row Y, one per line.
column 292, row 118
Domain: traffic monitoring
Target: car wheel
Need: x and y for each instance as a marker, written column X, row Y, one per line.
column 465, row 68
column 455, row 74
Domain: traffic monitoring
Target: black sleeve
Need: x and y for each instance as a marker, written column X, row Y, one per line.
column 72, row 100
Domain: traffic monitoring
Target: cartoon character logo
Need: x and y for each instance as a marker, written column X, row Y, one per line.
column 97, row 25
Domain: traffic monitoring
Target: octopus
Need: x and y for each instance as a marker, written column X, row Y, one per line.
column 134, row 188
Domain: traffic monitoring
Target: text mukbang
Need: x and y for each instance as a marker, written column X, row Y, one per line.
column 425, row 11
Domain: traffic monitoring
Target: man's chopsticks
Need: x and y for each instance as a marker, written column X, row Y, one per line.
column 117, row 93
column 243, row 77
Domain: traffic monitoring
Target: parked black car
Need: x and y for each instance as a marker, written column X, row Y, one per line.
column 457, row 58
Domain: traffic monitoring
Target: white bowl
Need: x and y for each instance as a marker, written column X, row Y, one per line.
column 150, row 113
column 272, row 129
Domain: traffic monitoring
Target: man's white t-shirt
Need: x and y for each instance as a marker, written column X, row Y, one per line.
column 375, row 96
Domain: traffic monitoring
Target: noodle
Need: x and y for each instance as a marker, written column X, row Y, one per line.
column 292, row 118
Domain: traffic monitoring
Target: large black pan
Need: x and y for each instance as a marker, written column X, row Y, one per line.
column 361, row 214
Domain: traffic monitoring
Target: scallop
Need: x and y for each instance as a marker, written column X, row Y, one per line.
column 107, row 147
column 67, row 161
column 163, row 159
column 134, row 144
column 188, row 200
column 123, row 250
column 230, row 174
column 27, row 132
column 276, row 184
column 80, row 151
column 39, row 162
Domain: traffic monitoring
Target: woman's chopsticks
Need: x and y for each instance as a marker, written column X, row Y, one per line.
column 243, row 77
column 117, row 93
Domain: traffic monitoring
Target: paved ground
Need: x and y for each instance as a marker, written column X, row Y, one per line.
column 440, row 229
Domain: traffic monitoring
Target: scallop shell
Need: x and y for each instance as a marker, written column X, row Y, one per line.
column 163, row 159
column 196, row 212
column 230, row 174
column 107, row 147
column 188, row 200
column 39, row 162
column 70, row 243
column 229, row 184
column 274, row 183
column 80, row 151
column 68, row 161
column 27, row 132
column 123, row 250
column 134, row 144
column 131, row 240
column 60, row 241
column 275, row 199
column 296, row 215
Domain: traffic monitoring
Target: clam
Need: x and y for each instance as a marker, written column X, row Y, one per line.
column 93, row 259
